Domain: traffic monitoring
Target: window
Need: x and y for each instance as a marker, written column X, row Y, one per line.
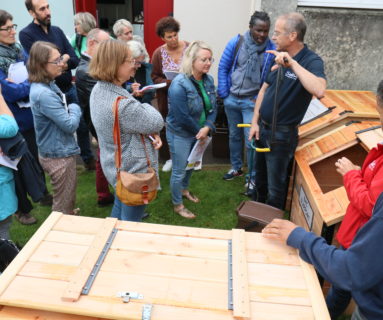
column 356, row 4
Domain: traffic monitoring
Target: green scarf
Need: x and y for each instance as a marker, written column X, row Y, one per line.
column 10, row 54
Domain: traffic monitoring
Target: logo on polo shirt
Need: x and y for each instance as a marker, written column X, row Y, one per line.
column 291, row 75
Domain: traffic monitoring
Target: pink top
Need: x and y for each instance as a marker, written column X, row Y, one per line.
column 168, row 64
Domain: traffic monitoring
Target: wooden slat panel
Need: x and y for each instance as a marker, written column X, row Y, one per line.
column 174, row 231
column 371, row 138
column 23, row 256
column 276, row 311
column 79, row 224
column 47, row 271
column 171, row 245
column 59, row 253
column 241, row 298
column 341, row 195
column 262, row 250
column 77, row 282
column 314, row 150
column 139, row 263
column 70, row 237
column 326, row 144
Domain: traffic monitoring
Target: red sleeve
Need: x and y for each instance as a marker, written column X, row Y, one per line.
column 362, row 196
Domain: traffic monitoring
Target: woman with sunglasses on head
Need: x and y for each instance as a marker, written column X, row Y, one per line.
column 192, row 112
column 55, row 124
column 15, row 88
column 112, row 66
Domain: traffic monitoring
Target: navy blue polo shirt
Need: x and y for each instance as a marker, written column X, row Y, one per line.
column 294, row 99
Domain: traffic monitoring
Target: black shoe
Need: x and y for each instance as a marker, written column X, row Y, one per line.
column 47, row 200
column 145, row 216
column 105, row 202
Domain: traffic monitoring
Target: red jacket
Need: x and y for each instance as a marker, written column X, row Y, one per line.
column 363, row 188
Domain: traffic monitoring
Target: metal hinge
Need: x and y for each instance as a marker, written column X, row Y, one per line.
column 345, row 111
column 230, row 274
column 126, row 296
column 147, row 311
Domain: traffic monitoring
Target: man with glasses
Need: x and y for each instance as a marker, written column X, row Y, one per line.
column 242, row 69
column 84, row 85
column 40, row 29
column 302, row 76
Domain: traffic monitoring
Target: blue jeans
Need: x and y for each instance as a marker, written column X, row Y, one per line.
column 238, row 111
column 127, row 213
column 272, row 167
column 82, row 131
column 180, row 148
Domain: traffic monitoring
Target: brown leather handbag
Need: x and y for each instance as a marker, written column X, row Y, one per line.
column 133, row 189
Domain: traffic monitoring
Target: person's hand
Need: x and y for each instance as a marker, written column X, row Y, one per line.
column 135, row 88
column 156, row 141
column 202, row 133
column 282, row 58
column 344, row 165
column 254, row 132
column 66, row 57
column 278, row 229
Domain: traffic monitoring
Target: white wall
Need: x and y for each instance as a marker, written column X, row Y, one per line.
column 213, row 21
column 61, row 10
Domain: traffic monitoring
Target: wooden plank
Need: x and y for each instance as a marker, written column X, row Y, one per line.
column 189, row 268
column 23, row 256
column 70, row 237
column 241, row 298
column 74, row 288
column 170, row 245
column 79, row 224
column 173, row 230
column 316, row 295
column 371, row 138
column 47, row 271
column 276, row 311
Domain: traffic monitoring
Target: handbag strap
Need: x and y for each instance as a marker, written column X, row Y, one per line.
column 117, row 137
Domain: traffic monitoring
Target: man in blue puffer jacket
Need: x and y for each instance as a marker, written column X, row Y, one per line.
column 242, row 69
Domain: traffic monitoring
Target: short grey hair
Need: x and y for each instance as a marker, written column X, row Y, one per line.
column 92, row 35
column 137, row 49
column 85, row 20
column 191, row 54
column 295, row 22
column 119, row 25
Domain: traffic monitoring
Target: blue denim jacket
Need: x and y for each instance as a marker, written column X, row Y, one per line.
column 186, row 106
column 55, row 124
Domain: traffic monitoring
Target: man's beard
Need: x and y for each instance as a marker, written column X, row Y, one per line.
column 45, row 22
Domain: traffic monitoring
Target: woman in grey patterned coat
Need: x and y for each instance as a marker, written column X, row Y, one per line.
column 112, row 66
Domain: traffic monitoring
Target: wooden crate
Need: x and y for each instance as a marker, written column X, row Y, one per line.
column 319, row 199
column 348, row 105
column 182, row 272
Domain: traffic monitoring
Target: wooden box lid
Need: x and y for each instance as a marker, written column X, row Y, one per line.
column 347, row 105
column 183, row 273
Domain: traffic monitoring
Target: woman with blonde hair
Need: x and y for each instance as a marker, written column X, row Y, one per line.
column 83, row 23
column 112, row 66
column 192, row 112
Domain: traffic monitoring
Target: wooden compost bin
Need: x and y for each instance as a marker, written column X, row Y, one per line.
column 319, row 198
column 182, row 273
column 346, row 106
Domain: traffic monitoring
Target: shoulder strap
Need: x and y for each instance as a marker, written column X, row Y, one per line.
column 237, row 46
column 117, row 137
column 78, row 42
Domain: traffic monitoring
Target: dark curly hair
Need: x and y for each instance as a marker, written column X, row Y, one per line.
column 259, row 15
column 167, row 24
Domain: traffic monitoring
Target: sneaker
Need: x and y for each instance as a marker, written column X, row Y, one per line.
column 167, row 166
column 249, row 188
column 232, row 174
column 25, row 218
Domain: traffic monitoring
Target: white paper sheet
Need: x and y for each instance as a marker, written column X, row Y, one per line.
column 195, row 156
column 17, row 72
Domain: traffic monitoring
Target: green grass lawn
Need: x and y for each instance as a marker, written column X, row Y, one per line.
column 219, row 199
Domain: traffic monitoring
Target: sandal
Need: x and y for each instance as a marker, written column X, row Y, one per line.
column 188, row 195
column 186, row 213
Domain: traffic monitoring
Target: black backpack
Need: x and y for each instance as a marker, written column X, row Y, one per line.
column 8, row 251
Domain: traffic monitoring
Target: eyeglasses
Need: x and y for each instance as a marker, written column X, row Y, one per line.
column 277, row 34
column 57, row 61
column 204, row 60
column 10, row 28
column 132, row 61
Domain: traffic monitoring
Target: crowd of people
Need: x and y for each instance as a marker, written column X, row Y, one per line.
column 49, row 119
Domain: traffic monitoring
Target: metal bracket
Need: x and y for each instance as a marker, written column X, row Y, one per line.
column 368, row 129
column 126, row 296
column 230, row 274
column 147, row 311
column 345, row 111
column 351, row 122
column 99, row 262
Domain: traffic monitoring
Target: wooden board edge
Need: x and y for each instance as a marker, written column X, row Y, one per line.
column 241, row 294
column 318, row 303
column 73, row 290
column 13, row 269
